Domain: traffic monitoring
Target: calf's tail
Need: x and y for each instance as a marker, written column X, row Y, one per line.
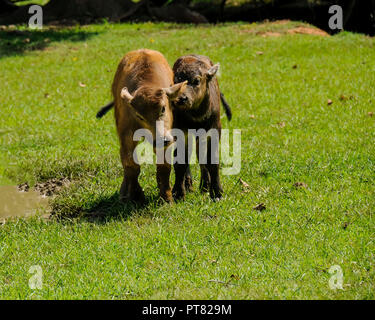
column 104, row 110
column 226, row 106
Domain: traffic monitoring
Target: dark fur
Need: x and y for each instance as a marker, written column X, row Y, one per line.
column 105, row 109
column 198, row 107
column 226, row 106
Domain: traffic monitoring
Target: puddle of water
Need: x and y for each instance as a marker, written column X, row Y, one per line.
column 14, row 203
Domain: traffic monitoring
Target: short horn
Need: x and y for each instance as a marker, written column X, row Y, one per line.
column 126, row 95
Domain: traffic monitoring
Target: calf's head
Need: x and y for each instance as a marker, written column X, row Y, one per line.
column 151, row 108
column 198, row 74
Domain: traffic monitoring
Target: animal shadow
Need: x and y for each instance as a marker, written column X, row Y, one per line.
column 13, row 41
column 109, row 208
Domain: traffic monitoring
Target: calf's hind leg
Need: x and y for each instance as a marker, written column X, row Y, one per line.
column 204, row 184
column 179, row 190
column 216, row 191
column 183, row 179
column 210, row 179
column 188, row 180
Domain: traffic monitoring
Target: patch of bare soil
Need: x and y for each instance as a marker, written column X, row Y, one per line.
column 51, row 187
column 47, row 188
column 269, row 34
column 277, row 29
column 308, row 30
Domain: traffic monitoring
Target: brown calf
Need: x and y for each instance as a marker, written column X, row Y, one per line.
column 198, row 107
column 143, row 90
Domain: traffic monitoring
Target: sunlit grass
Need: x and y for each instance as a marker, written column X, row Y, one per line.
column 278, row 88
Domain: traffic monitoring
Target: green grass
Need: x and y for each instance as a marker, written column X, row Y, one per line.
column 48, row 130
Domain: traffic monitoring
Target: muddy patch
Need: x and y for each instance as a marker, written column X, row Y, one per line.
column 16, row 203
column 51, row 187
column 47, row 188
column 24, row 201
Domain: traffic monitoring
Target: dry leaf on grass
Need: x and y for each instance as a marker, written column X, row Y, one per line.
column 244, row 185
column 260, row 207
column 82, row 85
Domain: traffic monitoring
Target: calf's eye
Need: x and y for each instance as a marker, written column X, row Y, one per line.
column 196, row 82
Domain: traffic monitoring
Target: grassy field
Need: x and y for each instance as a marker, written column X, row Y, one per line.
column 278, row 84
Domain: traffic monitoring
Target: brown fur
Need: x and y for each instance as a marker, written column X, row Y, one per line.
column 143, row 89
column 198, row 107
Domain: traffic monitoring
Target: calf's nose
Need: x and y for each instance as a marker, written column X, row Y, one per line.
column 182, row 99
column 167, row 141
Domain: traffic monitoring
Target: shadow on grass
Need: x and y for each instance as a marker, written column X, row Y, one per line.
column 14, row 41
column 108, row 208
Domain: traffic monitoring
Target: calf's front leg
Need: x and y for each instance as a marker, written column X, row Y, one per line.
column 163, row 172
column 130, row 188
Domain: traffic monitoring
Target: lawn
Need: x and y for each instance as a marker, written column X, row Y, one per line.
column 278, row 84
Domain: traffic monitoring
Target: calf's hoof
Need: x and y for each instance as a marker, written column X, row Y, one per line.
column 167, row 196
column 188, row 184
column 137, row 197
column 216, row 194
column 179, row 193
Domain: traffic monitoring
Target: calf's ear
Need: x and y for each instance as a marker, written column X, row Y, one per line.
column 175, row 90
column 126, row 95
column 212, row 71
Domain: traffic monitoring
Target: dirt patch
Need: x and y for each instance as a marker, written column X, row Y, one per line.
column 308, row 30
column 280, row 28
column 47, row 188
column 51, row 187
column 269, row 34
column 24, row 187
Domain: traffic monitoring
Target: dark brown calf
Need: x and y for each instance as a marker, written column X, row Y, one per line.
column 198, row 107
column 143, row 90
